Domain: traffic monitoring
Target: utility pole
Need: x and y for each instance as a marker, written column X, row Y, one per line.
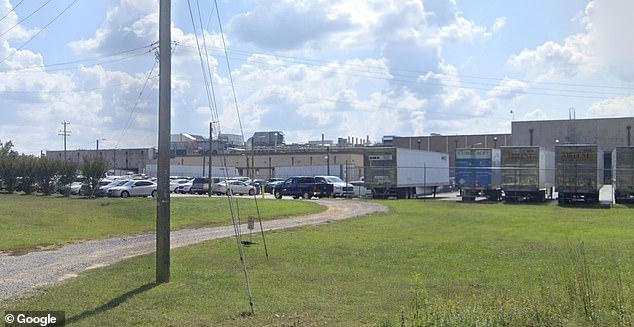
column 252, row 159
column 64, row 132
column 211, row 129
column 164, row 130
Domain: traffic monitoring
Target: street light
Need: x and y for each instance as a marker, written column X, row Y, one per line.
column 97, row 148
column 495, row 142
column 419, row 141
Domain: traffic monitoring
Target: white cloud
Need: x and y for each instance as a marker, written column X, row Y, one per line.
column 618, row 107
column 499, row 24
column 557, row 60
column 537, row 114
column 605, row 43
column 508, row 89
column 129, row 25
column 287, row 24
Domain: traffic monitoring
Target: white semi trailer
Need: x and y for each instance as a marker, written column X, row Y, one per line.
column 404, row 173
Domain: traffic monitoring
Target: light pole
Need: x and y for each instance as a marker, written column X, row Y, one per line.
column 495, row 142
column 419, row 141
column 97, row 147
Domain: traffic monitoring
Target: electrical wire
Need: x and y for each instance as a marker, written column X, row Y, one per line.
column 48, row 67
column 25, row 18
column 40, row 31
column 12, row 10
column 136, row 103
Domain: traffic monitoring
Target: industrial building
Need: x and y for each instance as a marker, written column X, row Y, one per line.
column 271, row 157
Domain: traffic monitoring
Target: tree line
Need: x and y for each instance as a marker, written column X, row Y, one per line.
column 31, row 174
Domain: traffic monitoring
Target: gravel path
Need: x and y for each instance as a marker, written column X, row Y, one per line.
column 21, row 274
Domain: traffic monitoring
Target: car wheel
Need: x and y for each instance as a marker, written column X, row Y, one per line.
column 278, row 195
column 154, row 193
column 125, row 194
column 251, row 192
column 306, row 195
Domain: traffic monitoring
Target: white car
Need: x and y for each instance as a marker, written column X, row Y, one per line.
column 174, row 184
column 103, row 189
column 234, row 186
column 185, row 187
column 134, row 188
column 340, row 188
column 360, row 190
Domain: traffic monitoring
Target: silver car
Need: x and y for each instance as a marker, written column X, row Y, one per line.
column 234, row 186
column 134, row 188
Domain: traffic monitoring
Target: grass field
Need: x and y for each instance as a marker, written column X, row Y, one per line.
column 422, row 264
column 31, row 222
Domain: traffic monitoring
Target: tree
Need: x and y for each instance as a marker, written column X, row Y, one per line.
column 27, row 166
column 93, row 169
column 44, row 174
column 68, row 174
column 9, row 172
column 5, row 149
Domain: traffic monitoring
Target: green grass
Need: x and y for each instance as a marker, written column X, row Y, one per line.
column 31, row 222
column 450, row 264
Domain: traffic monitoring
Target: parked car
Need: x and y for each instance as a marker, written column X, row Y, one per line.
column 269, row 186
column 340, row 188
column 185, row 187
column 234, row 187
column 303, row 186
column 258, row 184
column 103, row 189
column 134, row 188
column 359, row 189
column 200, row 185
column 177, row 182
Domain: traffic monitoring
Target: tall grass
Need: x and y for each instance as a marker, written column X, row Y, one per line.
column 576, row 297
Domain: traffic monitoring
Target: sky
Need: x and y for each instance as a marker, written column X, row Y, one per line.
column 342, row 68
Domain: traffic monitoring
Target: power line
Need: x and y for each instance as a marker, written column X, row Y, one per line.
column 25, row 18
column 47, row 67
column 40, row 31
column 400, row 74
column 12, row 10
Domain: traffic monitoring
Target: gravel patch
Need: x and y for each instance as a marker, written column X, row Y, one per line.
column 22, row 274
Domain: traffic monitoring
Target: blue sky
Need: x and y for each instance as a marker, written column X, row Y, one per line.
column 343, row 68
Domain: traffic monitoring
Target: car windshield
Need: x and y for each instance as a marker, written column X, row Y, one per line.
column 334, row 179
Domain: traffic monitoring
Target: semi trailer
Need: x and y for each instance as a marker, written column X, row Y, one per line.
column 404, row 173
column 528, row 173
column 579, row 172
column 478, row 173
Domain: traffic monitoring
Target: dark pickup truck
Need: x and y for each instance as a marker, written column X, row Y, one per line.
column 304, row 187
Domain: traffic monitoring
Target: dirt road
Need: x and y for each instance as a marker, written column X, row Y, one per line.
column 21, row 274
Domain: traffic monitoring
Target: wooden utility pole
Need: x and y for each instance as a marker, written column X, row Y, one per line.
column 65, row 133
column 163, row 169
column 211, row 128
